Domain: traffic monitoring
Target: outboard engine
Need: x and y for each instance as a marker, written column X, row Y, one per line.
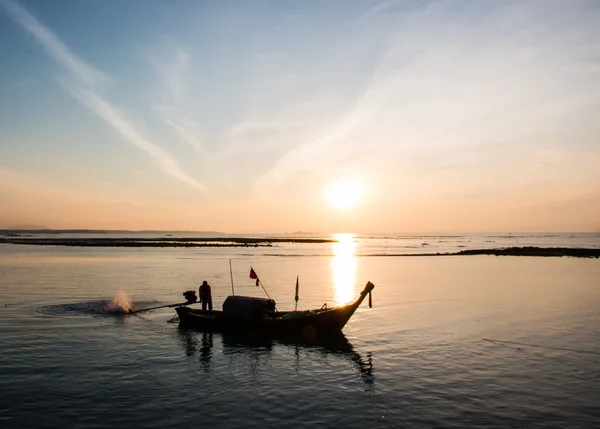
column 190, row 295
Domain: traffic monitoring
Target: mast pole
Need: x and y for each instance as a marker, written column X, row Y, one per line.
column 296, row 297
column 231, row 275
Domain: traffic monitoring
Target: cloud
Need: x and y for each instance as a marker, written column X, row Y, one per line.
column 377, row 9
column 89, row 78
column 323, row 149
column 247, row 127
column 186, row 134
column 171, row 63
column 458, row 78
column 107, row 112
column 56, row 48
column 174, row 72
column 257, row 136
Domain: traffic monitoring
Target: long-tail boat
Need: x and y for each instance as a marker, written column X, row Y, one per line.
column 249, row 314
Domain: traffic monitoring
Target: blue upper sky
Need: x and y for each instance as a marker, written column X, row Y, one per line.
column 186, row 114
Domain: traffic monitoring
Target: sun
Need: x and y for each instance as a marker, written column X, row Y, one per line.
column 345, row 193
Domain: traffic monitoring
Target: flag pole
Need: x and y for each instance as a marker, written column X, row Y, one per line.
column 231, row 274
column 296, row 297
column 261, row 285
column 253, row 275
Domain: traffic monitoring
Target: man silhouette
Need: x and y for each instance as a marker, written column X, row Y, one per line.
column 205, row 296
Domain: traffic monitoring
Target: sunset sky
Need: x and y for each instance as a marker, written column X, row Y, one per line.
column 319, row 116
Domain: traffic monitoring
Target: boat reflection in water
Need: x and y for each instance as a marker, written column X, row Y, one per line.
column 256, row 347
column 343, row 267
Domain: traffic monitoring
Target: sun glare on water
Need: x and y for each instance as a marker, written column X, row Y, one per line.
column 343, row 267
column 344, row 193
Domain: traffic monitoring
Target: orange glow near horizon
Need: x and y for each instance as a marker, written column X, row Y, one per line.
column 343, row 268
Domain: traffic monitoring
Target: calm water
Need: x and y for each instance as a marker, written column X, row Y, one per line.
column 416, row 359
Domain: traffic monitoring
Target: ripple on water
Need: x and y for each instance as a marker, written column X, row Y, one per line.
column 93, row 308
column 118, row 305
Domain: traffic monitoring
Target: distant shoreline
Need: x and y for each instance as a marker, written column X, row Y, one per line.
column 162, row 241
column 269, row 242
column 8, row 231
column 574, row 252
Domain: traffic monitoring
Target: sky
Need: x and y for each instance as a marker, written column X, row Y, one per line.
column 241, row 116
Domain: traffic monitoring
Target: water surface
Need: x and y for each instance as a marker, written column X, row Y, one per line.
column 416, row 359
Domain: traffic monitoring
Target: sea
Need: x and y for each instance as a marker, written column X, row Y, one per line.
column 472, row 341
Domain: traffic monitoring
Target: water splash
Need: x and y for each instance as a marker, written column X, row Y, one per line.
column 120, row 304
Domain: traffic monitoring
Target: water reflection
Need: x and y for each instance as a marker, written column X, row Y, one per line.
column 202, row 344
column 249, row 351
column 206, row 347
column 343, row 267
column 254, row 351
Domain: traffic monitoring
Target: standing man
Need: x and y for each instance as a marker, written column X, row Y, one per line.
column 205, row 296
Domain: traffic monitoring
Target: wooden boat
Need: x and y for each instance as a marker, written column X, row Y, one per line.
column 248, row 314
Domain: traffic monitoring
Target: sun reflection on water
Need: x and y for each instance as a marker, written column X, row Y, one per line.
column 343, row 268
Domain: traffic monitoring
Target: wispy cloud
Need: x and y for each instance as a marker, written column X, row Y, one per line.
column 112, row 116
column 324, row 149
column 258, row 126
column 171, row 63
column 84, row 88
column 174, row 72
column 257, row 136
column 377, row 9
column 186, row 134
column 53, row 45
column 460, row 77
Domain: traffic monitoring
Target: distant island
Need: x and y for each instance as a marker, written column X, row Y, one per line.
column 535, row 251
column 160, row 241
column 574, row 252
column 25, row 229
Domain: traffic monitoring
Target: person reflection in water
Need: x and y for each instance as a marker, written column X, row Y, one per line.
column 201, row 345
column 206, row 350
column 205, row 296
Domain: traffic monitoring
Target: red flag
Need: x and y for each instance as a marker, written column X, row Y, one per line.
column 253, row 275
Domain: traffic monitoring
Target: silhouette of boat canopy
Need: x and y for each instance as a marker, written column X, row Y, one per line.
column 249, row 314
